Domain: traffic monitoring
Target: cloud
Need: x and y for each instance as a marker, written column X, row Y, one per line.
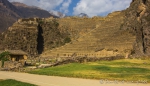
column 48, row 5
column 100, row 7
column 90, row 7
column 65, row 6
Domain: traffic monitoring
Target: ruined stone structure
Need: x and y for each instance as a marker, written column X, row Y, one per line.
column 78, row 26
column 33, row 35
column 22, row 35
column 124, row 33
column 105, row 39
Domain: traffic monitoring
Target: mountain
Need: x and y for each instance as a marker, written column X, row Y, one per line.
column 31, row 11
column 82, row 15
column 123, row 33
column 11, row 12
column 8, row 14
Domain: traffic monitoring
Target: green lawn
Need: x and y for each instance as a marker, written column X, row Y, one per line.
column 126, row 69
column 11, row 82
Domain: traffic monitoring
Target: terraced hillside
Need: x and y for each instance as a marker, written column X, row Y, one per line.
column 76, row 26
column 103, row 39
column 32, row 35
column 120, row 33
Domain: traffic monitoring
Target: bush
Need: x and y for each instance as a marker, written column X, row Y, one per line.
column 67, row 40
column 41, row 22
column 4, row 57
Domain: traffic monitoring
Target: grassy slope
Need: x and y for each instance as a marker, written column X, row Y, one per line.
column 11, row 82
column 119, row 70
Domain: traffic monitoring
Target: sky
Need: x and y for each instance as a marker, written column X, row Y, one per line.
column 75, row 7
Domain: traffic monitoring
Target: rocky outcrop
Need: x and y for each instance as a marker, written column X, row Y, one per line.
column 138, row 22
column 33, row 35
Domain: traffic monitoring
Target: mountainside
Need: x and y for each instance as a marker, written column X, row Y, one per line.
column 123, row 33
column 31, row 11
column 103, row 39
column 33, row 35
column 138, row 22
column 9, row 13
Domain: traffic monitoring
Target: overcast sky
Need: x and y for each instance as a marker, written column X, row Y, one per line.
column 75, row 7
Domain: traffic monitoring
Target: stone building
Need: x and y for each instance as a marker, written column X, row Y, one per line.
column 17, row 55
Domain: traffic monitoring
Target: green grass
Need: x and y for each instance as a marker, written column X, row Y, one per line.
column 127, row 69
column 11, row 82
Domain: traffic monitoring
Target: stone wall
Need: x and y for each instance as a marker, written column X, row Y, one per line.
column 33, row 35
column 102, row 53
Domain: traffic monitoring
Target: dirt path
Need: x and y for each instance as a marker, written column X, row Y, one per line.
column 42, row 80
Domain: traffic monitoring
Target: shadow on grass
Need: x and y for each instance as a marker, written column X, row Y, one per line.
column 10, row 82
column 132, row 70
column 99, row 70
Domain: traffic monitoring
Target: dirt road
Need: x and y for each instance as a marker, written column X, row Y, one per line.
column 42, row 80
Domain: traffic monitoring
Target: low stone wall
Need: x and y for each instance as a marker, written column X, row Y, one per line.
column 11, row 66
column 87, row 59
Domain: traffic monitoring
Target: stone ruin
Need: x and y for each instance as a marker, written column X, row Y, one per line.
column 117, row 34
column 11, row 66
column 95, row 37
column 32, row 35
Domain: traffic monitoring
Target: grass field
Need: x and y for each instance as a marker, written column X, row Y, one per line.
column 126, row 69
column 11, row 82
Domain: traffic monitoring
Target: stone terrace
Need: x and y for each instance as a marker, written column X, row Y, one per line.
column 103, row 39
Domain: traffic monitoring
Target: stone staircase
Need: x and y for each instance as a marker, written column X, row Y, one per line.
column 106, row 40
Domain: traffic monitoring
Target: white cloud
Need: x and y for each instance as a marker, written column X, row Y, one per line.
column 65, row 6
column 49, row 5
column 100, row 7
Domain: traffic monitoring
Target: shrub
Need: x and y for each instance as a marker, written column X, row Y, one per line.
column 4, row 56
column 67, row 40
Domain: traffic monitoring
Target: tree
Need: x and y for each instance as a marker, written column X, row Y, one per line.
column 4, row 57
